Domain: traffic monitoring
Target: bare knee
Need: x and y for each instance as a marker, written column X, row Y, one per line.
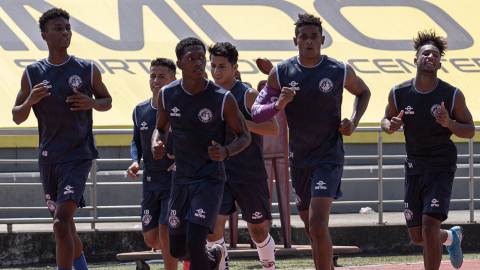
column 258, row 233
column 62, row 228
column 318, row 229
column 430, row 232
column 417, row 239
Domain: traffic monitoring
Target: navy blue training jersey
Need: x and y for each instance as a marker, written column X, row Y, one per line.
column 196, row 120
column 314, row 114
column 247, row 166
column 156, row 174
column 428, row 144
column 64, row 135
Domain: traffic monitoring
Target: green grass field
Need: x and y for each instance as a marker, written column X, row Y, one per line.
column 284, row 263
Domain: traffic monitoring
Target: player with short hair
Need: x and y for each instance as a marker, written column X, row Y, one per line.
column 60, row 90
column 311, row 93
column 246, row 174
column 430, row 110
column 156, row 175
column 198, row 111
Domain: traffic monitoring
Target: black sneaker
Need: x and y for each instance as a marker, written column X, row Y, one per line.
column 217, row 255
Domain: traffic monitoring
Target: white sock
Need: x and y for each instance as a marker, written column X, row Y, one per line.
column 449, row 240
column 266, row 252
column 221, row 241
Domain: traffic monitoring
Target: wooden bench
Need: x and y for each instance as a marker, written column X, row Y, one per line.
column 242, row 250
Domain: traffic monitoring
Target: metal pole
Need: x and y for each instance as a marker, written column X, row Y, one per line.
column 380, row 178
column 93, row 192
column 471, row 181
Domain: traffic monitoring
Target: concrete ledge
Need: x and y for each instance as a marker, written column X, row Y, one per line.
column 38, row 248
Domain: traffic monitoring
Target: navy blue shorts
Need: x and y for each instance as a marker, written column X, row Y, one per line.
column 64, row 181
column 427, row 193
column 252, row 198
column 154, row 208
column 321, row 181
column 198, row 203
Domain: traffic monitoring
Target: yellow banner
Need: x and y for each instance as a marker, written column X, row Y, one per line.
column 121, row 37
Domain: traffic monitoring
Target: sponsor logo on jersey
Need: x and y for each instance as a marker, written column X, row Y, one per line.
column 325, row 85
column 257, row 215
column 434, row 109
column 293, row 85
column 410, row 165
column 143, row 126
column 409, row 110
column 75, row 81
column 46, row 84
column 68, row 189
column 408, row 214
column 146, row 217
column 321, row 185
column 173, row 220
column 44, row 153
column 175, row 111
column 200, row 213
column 149, row 178
column 435, row 203
column 205, row 115
column 47, row 196
column 51, row 205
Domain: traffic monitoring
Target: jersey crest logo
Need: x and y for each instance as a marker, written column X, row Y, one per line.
column 408, row 214
column 434, row 109
column 325, row 85
column 298, row 200
column 146, row 218
column 75, row 81
column 409, row 110
column 205, row 115
column 173, row 220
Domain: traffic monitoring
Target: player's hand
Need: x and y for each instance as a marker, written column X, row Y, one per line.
column 80, row 101
column 442, row 117
column 39, row 91
column 346, row 127
column 396, row 123
column 217, row 152
column 158, row 150
column 133, row 170
column 173, row 164
column 286, row 96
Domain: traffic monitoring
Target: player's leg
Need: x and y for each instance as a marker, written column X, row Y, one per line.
column 325, row 186
column 254, row 200
column 204, row 205
column 177, row 224
column 170, row 262
column 65, row 248
column 227, row 208
column 150, row 215
column 79, row 262
column 322, row 244
column 301, row 184
column 432, row 244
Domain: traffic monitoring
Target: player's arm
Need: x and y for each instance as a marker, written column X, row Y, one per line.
column 135, row 151
column 101, row 102
column 392, row 121
column 269, row 128
column 357, row 87
column 236, row 123
column 462, row 126
column 160, row 134
column 26, row 99
column 271, row 100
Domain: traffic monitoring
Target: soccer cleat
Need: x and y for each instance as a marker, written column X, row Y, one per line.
column 217, row 255
column 186, row 265
column 455, row 249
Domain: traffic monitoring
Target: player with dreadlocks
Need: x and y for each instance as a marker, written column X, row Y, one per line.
column 430, row 111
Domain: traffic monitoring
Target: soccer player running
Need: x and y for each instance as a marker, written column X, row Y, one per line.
column 246, row 174
column 311, row 93
column 198, row 111
column 60, row 89
column 430, row 111
column 156, row 176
